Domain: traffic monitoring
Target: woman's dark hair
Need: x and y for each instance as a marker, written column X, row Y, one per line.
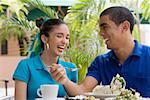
column 39, row 22
column 119, row 14
column 47, row 25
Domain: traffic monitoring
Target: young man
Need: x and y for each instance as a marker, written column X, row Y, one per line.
column 127, row 57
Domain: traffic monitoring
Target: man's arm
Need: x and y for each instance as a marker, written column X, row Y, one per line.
column 87, row 85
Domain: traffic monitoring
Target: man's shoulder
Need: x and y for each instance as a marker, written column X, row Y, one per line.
column 145, row 46
column 145, row 49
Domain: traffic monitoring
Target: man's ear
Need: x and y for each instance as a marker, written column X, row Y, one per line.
column 44, row 38
column 126, row 26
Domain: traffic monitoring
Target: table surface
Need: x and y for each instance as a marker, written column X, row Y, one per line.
column 56, row 99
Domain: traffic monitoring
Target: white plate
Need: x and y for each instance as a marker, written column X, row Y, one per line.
column 100, row 95
column 113, row 98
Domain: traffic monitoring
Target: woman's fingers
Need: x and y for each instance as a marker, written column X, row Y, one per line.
column 58, row 73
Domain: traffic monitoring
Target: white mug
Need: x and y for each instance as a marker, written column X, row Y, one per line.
column 48, row 91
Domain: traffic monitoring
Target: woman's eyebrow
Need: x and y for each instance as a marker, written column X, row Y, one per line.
column 59, row 33
column 62, row 34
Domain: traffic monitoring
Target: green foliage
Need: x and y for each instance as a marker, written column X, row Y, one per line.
column 16, row 7
column 38, row 4
column 14, row 22
column 19, row 28
column 85, row 44
column 146, row 9
column 136, row 33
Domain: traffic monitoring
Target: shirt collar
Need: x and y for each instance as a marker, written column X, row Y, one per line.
column 112, row 55
column 137, row 51
column 39, row 63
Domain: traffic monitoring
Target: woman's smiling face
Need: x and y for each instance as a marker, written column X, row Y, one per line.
column 58, row 39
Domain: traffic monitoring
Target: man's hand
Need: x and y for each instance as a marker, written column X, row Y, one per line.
column 58, row 73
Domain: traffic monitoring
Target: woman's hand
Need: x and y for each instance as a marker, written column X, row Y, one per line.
column 58, row 73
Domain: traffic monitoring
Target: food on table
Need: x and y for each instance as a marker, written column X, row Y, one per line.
column 102, row 89
column 117, row 84
column 128, row 95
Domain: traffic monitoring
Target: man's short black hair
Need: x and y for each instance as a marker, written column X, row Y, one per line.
column 119, row 14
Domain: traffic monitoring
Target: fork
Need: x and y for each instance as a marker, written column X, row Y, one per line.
column 72, row 69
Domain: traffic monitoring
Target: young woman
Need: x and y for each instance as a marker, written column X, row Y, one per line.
column 35, row 71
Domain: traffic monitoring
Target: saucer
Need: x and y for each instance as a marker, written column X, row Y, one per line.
column 43, row 99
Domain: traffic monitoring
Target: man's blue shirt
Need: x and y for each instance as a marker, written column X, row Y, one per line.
column 34, row 73
column 135, row 70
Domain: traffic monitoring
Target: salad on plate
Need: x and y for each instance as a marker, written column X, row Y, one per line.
column 115, row 90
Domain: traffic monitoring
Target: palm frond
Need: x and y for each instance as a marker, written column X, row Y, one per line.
column 146, row 9
column 38, row 4
column 82, row 19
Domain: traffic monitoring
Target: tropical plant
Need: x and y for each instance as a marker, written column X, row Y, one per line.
column 14, row 22
column 146, row 9
column 20, row 29
column 38, row 4
column 85, row 44
column 14, row 7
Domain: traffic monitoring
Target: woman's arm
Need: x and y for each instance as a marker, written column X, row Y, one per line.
column 20, row 90
column 59, row 74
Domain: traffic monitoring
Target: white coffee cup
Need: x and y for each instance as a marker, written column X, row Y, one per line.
column 48, row 91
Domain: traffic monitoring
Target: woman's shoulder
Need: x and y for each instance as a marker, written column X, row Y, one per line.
column 27, row 60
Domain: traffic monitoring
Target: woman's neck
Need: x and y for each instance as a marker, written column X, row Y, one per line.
column 48, row 59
